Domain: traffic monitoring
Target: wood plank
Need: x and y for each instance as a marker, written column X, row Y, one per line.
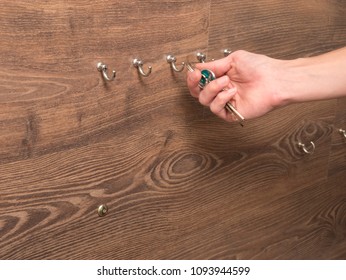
column 52, row 96
column 278, row 28
column 67, row 136
column 181, row 214
column 171, row 194
column 179, row 182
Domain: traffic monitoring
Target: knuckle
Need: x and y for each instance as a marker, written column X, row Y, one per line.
column 214, row 86
column 221, row 83
column 194, row 94
column 239, row 53
column 214, row 108
column 202, row 99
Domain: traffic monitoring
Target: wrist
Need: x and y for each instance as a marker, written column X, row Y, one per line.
column 293, row 81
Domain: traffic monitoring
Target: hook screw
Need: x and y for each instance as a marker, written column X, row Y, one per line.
column 101, row 67
column 139, row 65
column 342, row 132
column 201, row 57
column 305, row 149
column 226, row 52
column 172, row 60
column 102, row 210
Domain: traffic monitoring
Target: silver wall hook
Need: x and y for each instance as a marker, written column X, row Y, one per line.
column 305, row 150
column 172, row 60
column 139, row 65
column 101, row 67
column 342, row 132
column 226, row 52
column 201, row 57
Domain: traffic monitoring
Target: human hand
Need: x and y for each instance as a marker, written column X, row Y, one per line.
column 251, row 82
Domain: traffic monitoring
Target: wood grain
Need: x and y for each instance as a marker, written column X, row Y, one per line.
column 51, row 78
column 179, row 182
column 278, row 28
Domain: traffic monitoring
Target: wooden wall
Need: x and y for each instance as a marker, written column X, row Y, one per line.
column 179, row 183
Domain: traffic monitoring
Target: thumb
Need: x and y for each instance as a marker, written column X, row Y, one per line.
column 219, row 67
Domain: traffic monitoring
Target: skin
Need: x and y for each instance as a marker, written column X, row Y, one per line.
column 257, row 84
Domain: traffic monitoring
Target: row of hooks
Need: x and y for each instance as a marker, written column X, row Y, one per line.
column 138, row 63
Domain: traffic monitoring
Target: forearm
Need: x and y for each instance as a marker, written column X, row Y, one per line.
column 315, row 78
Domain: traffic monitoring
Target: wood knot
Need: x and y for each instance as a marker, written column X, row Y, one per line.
column 181, row 167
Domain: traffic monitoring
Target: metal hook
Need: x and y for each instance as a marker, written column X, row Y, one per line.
column 139, row 64
column 342, row 132
column 103, row 69
column 305, row 149
column 172, row 60
column 226, row 52
column 201, row 57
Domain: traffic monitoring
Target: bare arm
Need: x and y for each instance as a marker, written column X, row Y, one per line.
column 315, row 78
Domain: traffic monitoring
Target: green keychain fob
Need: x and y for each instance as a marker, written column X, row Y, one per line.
column 207, row 77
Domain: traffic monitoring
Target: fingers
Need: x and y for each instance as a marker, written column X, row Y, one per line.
column 213, row 95
column 219, row 103
column 208, row 94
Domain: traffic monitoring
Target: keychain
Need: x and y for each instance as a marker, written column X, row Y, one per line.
column 207, row 77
